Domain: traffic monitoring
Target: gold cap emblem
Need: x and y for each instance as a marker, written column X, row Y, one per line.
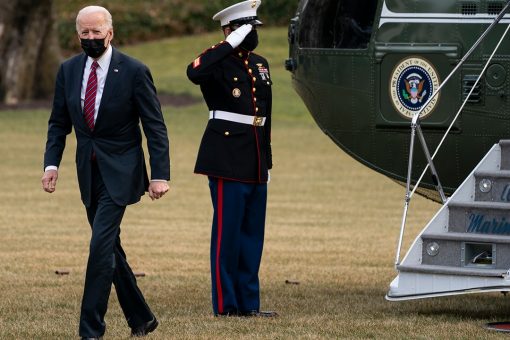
column 254, row 4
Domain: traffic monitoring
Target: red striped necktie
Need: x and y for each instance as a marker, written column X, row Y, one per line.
column 89, row 106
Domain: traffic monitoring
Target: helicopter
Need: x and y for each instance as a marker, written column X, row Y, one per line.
column 377, row 74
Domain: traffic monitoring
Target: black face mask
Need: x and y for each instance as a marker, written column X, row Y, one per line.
column 251, row 41
column 94, row 48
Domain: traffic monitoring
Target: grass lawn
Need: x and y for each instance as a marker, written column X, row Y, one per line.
column 332, row 226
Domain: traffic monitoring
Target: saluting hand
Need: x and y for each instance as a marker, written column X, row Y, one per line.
column 157, row 189
column 49, row 180
column 236, row 37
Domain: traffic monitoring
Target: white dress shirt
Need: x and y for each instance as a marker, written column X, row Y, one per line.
column 101, row 72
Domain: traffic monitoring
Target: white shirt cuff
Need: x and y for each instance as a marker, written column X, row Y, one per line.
column 50, row 167
column 159, row 180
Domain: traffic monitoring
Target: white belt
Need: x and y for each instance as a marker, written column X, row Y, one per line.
column 236, row 117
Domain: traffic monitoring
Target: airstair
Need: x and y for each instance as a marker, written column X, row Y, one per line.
column 465, row 248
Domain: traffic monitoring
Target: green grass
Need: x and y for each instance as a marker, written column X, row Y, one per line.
column 169, row 58
column 332, row 225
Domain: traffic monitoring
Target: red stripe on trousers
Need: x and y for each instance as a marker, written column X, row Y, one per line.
column 218, row 245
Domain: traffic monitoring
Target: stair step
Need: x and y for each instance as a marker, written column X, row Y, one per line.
column 467, row 237
column 492, row 186
column 480, row 205
column 492, row 218
column 434, row 269
column 494, row 174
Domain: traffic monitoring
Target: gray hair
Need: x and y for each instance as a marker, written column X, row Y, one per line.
column 95, row 9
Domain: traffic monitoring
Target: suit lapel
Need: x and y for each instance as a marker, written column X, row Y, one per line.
column 78, row 70
column 112, row 82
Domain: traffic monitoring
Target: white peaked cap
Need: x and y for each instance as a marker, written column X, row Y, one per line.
column 245, row 9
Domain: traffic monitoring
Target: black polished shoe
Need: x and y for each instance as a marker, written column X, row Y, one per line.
column 146, row 328
column 94, row 338
column 261, row 314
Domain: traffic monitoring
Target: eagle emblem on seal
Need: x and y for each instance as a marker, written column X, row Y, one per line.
column 414, row 88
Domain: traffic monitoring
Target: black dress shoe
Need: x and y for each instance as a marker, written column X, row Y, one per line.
column 261, row 314
column 145, row 329
column 94, row 338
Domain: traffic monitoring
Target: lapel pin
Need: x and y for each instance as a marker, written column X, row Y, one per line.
column 115, row 70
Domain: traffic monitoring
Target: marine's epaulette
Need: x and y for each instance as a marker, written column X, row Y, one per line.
column 214, row 46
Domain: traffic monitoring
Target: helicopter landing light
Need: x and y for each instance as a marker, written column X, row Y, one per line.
column 485, row 185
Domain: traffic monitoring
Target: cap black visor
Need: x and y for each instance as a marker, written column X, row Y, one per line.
column 248, row 20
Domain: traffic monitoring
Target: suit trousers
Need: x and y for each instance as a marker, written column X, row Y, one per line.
column 107, row 264
column 236, row 244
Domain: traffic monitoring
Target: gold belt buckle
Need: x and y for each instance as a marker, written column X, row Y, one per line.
column 257, row 121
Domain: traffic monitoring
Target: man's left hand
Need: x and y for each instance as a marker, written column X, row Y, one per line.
column 157, row 189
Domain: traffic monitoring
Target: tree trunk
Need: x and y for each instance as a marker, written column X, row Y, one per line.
column 29, row 50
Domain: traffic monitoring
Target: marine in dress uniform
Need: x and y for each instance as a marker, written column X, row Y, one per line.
column 235, row 154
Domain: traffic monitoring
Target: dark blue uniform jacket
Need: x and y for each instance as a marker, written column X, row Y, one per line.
column 236, row 81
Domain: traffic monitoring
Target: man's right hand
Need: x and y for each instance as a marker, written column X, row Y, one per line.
column 236, row 37
column 49, row 180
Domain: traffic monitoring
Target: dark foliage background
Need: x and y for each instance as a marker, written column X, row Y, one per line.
column 136, row 20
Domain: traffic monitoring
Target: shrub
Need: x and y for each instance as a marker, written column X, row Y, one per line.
column 136, row 21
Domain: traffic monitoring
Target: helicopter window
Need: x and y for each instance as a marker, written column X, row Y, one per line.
column 337, row 24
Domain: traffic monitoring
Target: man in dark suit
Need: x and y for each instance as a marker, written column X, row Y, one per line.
column 104, row 94
column 235, row 154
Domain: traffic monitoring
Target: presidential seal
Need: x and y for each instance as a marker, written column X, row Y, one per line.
column 412, row 83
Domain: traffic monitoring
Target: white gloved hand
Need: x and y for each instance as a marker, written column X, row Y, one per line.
column 235, row 38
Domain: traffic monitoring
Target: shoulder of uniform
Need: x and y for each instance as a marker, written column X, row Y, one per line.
column 213, row 47
column 258, row 57
column 221, row 43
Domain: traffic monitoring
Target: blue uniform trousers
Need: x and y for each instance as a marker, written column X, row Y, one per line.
column 236, row 244
column 107, row 264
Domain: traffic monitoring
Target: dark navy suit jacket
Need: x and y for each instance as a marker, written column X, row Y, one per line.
column 129, row 96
